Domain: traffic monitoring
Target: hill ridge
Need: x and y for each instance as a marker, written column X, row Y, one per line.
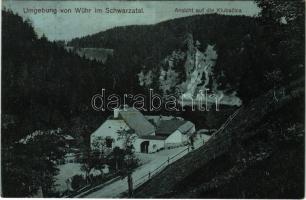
column 237, row 131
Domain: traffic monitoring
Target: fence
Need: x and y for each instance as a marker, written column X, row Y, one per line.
column 226, row 123
column 94, row 186
column 138, row 182
column 218, row 147
column 150, row 174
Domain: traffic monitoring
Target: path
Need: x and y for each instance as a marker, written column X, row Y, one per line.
column 152, row 161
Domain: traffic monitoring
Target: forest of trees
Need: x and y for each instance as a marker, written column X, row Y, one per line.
column 44, row 87
column 248, row 48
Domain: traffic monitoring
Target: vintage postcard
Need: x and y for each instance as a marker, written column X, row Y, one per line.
column 153, row 99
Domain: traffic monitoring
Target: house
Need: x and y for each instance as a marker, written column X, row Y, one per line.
column 152, row 133
column 175, row 131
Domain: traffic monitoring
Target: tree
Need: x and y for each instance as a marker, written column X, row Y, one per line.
column 129, row 162
column 274, row 10
column 88, row 162
column 274, row 78
column 94, row 158
column 30, row 164
column 99, row 153
column 283, row 23
column 117, row 156
column 77, row 182
column 99, row 146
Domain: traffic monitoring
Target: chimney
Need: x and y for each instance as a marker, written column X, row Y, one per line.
column 116, row 113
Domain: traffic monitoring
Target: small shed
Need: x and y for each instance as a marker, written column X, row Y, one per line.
column 177, row 132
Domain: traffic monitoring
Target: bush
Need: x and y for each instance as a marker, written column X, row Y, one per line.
column 77, row 182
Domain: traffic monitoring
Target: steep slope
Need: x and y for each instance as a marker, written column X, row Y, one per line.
column 44, row 86
column 266, row 136
column 180, row 56
column 230, row 56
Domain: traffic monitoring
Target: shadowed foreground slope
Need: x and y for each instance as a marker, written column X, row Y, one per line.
column 259, row 155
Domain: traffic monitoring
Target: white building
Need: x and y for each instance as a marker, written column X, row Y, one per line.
column 151, row 135
column 176, row 132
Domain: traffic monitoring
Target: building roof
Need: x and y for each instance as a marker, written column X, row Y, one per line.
column 112, row 126
column 153, row 137
column 186, row 127
column 167, row 127
column 156, row 118
column 136, row 121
